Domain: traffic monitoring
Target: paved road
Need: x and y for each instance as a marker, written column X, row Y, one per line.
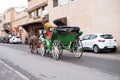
column 107, row 65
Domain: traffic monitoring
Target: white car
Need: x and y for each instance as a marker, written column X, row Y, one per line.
column 15, row 39
column 98, row 42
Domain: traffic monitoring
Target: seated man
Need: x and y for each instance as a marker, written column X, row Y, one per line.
column 47, row 25
column 47, row 31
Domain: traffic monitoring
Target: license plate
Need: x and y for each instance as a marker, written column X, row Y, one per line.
column 110, row 46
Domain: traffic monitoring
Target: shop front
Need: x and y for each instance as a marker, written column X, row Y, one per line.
column 33, row 28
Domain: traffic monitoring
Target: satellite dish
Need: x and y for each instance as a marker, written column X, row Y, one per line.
column 42, row 16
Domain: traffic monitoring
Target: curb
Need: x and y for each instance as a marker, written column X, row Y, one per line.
column 115, row 56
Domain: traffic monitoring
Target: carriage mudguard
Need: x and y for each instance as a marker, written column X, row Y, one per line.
column 80, row 33
column 54, row 35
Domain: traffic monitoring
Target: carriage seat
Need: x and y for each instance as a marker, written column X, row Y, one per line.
column 67, row 29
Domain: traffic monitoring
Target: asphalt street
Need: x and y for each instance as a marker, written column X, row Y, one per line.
column 107, row 65
column 96, row 62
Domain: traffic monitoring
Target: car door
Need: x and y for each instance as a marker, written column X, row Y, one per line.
column 11, row 40
column 92, row 40
column 85, row 42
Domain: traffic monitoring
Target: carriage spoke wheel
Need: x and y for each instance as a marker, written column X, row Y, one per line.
column 42, row 50
column 56, row 50
column 78, row 51
column 34, row 49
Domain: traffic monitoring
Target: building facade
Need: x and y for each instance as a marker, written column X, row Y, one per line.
column 92, row 16
column 8, row 18
column 20, row 18
column 1, row 28
column 37, row 11
column 2, row 32
column 12, row 21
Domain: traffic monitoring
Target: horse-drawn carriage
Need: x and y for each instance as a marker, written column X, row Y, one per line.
column 59, row 39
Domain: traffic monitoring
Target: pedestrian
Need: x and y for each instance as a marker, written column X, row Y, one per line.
column 26, row 40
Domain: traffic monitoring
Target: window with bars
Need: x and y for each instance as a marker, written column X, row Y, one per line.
column 55, row 3
column 39, row 12
column 32, row 14
column 45, row 10
column 60, row 2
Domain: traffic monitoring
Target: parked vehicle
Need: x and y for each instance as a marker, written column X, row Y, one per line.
column 4, row 39
column 99, row 42
column 1, row 39
column 15, row 39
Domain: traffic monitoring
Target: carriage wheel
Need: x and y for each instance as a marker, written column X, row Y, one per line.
column 42, row 50
column 56, row 50
column 34, row 50
column 78, row 51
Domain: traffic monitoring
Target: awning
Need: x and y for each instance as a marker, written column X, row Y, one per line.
column 16, row 28
column 9, row 30
column 61, row 21
column 32, row 22
column 25, row 26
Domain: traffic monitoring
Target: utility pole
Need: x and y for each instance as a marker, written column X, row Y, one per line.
column 11, row 20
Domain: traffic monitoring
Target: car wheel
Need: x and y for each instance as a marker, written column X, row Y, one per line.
column 96, row 49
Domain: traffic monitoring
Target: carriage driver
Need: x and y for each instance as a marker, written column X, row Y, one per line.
column 47, row 30
column 47, row 25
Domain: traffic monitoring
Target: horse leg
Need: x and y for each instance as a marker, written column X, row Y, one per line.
column 30, row 45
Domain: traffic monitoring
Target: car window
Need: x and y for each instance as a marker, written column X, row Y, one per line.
column 107, row 36
column 86, row 37
column 13, row 36
column 93, row 36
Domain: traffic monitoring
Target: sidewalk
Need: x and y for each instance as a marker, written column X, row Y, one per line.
column 8, row 73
